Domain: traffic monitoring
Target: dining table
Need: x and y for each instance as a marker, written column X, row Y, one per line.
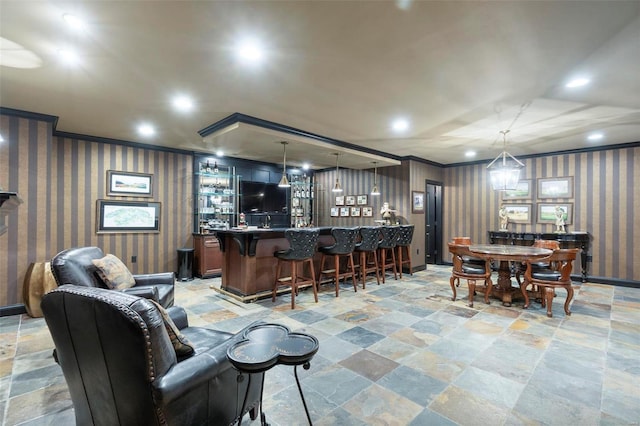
column 505, row 255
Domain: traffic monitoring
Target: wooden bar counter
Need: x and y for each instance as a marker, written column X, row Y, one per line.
column 248, row 266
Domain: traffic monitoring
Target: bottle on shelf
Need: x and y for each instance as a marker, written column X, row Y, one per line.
column 208, row 167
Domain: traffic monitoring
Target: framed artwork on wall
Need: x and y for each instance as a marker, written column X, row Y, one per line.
column 362, row 200
column 129, row 184
column 555, row 187
column 351, row 200
column 344, row 211
column 355, row 211
column 339, row 200
column 367, row 212
column 417, row 205
column 335, row 211
column 518, row 213
column 548, row 213
column 127, row 216
column 522, row 191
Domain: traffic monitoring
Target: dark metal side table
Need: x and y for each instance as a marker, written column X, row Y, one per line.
column 266, row 345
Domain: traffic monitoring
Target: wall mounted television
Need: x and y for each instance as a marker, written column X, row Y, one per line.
column 262, row 197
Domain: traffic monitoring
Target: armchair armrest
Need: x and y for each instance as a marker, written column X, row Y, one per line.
column 155, row 279
column 179, row 317
column 147, row 292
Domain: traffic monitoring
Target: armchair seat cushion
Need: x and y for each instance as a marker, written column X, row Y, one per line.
column 473, row 269
column 546, row 275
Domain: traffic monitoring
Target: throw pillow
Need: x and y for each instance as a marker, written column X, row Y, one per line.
column 113, row 273
column 181, row 344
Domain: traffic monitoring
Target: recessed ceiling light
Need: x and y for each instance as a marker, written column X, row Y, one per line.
column 68, row 57
column 305, row 166
column 146, row 129
column 219, row 153
column 595, row 136
column 74, row 22
column 577, row 82
column 400, row 125
column 250, row 51
column 470, row 154
column 183, row 103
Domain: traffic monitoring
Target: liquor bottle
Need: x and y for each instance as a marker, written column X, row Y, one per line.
column 215, row 168
column 208, row 168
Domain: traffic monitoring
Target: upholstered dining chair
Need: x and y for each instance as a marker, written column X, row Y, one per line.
column 302, row 247
column 345, row 243
column 128, row 361
column 90, row 267
column 556, row 275
column 539, row 264
column 366, row 249
column 473, row 269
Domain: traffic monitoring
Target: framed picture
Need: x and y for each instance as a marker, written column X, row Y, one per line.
column 355, row 211
column 522, row 191
column 367, row 212
column 335, row 211
column 548, row 213
column 518, row 213
column 417, row 198
column 340, row 200
column 351, row 200
column 344, row 211
column 128, row 184
column 362, row 200
column 127, row 216
column 555, row 187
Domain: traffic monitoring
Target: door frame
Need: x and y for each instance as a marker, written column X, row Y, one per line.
column 437, row 223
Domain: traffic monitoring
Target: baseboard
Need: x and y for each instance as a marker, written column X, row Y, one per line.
column 17, row 309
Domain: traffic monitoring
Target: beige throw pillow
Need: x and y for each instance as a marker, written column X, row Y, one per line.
column 181, row 344
column 114, row 273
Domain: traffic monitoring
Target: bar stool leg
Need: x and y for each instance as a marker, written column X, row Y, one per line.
column 353, row 273
column 294, row 286
column 313, row 280
column 336, row 265
column 275, row 283
column 400, row 261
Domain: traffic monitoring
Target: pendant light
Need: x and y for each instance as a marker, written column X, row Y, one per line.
column 375, row 190
column 337, row 187
column 504, row 174
column 284, row 182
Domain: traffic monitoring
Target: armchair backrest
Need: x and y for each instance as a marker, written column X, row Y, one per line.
column 74, row 266
column 561, row 261
column 111, row 346
column 462, row 256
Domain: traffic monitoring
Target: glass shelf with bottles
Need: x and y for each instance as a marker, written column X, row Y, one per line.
column 216, row 197
column 301, row 200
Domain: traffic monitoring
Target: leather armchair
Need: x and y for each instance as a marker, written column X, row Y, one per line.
column 74, row 266
column 121, row 367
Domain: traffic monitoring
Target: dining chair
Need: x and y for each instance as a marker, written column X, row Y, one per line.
column 558, row 274
column 471, row 268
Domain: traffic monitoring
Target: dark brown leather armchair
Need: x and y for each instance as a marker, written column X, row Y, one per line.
column 74, row 266
column 122, row 369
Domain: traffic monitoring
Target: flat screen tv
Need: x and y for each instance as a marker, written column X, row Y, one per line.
column 261, row 197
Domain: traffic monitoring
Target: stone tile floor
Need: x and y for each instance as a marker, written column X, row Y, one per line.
column 401, row 353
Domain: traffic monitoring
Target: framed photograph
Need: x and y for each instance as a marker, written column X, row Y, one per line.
column 548, row 213
column 335, row 211
column 128, row 184
column 351, row 200
column 522, row 191
column 417, row 198
column 355, row 211
column 344, row 211
column 555, row 187
column 127, row 216
column 362, row 200
column 518, row 213
column 340, row 200
column 367, row 212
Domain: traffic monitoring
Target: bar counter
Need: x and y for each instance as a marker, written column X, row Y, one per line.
column 249, row 266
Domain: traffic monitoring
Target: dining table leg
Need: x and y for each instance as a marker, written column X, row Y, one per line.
column 504, row 282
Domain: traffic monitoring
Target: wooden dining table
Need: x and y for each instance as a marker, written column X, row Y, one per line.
column 505, row 254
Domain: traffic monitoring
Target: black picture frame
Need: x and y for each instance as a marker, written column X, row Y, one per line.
column 417, row 202
column 129, row 184
column 127, row 217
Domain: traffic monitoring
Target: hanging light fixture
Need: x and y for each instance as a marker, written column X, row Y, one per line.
column 337, row 187
column 284, row 182
column 504, row 174
column 375, row 190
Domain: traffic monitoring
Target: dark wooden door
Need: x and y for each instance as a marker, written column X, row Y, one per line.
column 433, row 227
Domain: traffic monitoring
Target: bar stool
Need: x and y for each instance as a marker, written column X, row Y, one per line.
column 366, row 248
column 388, row 245
column 345, row 242
column 302, row 246
column 405, row 236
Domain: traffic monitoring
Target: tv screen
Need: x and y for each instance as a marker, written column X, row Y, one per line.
column 261, row 197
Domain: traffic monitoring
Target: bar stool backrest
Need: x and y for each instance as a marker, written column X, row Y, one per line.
column 302, row 243
column 389, row 236
column 370, row 238
column 405, row 235
column 345, row 240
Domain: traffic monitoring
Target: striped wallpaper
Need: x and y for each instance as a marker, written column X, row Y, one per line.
column 60, row 179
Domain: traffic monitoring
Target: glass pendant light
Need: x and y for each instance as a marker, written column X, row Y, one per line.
column 284, row 182
column 375, row 190
column 337, row 187
column 504, row 174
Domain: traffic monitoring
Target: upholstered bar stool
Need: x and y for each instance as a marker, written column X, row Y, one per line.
column 302, row 246
column 366, row 248
column 405, row 236
column 345, row 242
column 388, row 246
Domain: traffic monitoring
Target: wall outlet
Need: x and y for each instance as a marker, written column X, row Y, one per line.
column 134, row 259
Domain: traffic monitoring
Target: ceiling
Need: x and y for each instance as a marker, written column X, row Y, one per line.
column 459, row 72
